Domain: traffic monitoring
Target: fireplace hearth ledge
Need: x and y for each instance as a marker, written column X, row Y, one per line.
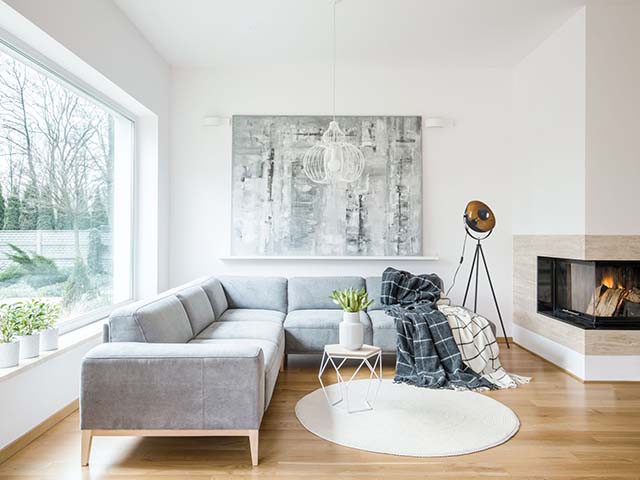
column 568, row 346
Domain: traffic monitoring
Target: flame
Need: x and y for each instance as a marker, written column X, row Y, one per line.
column 609, row 282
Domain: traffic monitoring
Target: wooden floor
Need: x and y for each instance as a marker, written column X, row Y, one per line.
column 569, row 430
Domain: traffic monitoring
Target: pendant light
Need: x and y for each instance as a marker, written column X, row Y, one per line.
column 333, row 159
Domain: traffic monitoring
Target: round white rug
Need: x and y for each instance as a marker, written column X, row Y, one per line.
column 411, row 421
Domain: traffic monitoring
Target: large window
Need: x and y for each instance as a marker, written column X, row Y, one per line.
column 65, row 193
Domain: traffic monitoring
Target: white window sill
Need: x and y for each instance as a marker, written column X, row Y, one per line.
column 67, row 341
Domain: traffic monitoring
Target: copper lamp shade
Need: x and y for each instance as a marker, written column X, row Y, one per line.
column 479, row 217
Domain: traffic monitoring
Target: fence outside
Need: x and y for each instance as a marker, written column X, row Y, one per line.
column 58, row 245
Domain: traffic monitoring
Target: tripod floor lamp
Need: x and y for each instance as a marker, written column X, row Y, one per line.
column 479, row 223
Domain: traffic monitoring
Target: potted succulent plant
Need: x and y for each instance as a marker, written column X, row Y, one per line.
column 352, row 303
column 9, row 344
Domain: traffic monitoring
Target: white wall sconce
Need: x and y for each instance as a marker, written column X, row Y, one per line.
column 438, row 122
column 211, row 121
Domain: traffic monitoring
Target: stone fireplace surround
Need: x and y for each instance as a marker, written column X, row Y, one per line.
column 590, row 355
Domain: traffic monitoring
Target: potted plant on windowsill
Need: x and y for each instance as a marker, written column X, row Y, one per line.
column 9, row 344
column 352, row 302
column 47, row 316
column 26, row 328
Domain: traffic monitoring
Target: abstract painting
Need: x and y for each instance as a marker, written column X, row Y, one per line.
column 278, row 211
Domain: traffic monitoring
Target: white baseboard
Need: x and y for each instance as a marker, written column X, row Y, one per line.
column 557, row 354
column 590, row 368
column 619, row 368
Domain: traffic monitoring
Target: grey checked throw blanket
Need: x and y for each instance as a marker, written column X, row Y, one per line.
column 427, row 354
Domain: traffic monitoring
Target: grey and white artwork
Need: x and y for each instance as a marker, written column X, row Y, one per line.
column 278, row 211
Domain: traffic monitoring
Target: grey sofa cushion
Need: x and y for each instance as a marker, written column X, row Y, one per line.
column 161, row 320
column 267, row 293
column 213, row 288
column 243, row 330
column 273, row 354
column 198, row 308
column 164, row 321
column 252, row 315
column 384, row 330
column 373, row 288
column 312, row 293
column 308, row 331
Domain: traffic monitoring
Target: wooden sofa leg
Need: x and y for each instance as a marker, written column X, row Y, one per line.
column 283, row 364
column 253, row 443
column 87, row 438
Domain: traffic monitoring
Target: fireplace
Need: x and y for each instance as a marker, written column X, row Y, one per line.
column 590, row 294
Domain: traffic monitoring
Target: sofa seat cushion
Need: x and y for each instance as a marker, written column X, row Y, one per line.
column 308, row 331
column 243, row 330
column 269, row 349
column 252, row 315
column 384, row 330
column 273, row 354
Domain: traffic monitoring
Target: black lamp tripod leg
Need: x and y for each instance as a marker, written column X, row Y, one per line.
column 495, row 300
column 473, row 265
column 475, row 291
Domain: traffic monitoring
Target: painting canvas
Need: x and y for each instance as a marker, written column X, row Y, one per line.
column 278, row 211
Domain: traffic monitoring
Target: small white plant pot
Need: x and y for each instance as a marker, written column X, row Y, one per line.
column 9, row 354
column 49, row 339
column 351, row 331
column 29, row 345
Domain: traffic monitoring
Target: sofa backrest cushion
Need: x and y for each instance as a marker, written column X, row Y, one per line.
column 198, row 307
column 165, row 321
column 213, row 288
column 159, row 320
column 266, row 293
column 373, row 288
column 312, row 293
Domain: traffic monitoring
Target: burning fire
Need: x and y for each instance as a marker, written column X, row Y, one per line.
column 609, row 282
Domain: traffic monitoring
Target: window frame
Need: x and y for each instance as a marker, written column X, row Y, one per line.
column 17, row 49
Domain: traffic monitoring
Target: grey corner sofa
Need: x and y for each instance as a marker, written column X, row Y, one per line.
column 203, row 359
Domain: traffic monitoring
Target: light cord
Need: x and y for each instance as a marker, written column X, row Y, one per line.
column 334, row 53
column 453, row 282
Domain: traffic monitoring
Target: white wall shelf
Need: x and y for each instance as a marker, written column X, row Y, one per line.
column 419, row 258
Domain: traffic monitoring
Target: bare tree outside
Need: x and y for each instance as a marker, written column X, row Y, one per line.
column 56, row 191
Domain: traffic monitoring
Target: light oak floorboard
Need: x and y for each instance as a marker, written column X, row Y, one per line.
column 569, row 430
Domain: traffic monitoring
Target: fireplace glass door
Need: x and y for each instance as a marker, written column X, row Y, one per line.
column 590, row 294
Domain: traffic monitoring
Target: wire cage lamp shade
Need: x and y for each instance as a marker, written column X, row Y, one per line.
column 333, row 159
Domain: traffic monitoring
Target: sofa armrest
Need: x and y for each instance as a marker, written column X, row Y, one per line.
column 147, row 386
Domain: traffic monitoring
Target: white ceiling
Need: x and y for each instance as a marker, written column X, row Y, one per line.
column 432, row 33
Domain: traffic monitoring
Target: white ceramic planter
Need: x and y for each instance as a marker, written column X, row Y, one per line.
column 29, row 345
column 49, row 339
column 351, row 331
column 9, row 354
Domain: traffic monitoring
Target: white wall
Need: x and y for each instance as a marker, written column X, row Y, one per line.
column 468, row 161
column 549, row 134
column 97, row 45
column 32, row 396
column 613, row 118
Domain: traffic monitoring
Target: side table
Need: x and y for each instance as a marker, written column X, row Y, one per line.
column 337, row 356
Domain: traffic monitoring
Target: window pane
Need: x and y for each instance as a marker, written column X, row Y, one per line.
column 65, row 194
